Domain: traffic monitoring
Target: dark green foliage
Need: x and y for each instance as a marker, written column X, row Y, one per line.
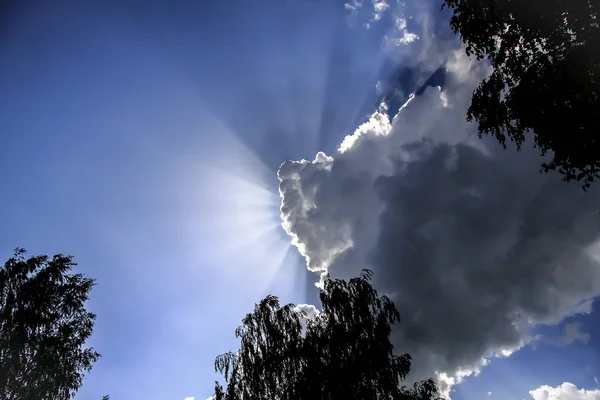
column 43, row 328
column 546, row 59
column 342, row 353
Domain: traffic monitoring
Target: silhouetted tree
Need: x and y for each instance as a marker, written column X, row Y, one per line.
column 344, row 352
column 546, row 59
column 43, row 328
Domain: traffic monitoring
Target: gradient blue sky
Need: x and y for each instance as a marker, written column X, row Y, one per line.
column 143, row 137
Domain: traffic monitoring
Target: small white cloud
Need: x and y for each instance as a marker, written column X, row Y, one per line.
column 401, row 36
column 192, row 398
column 400, row 23
column 571, row 333
column 379, row 8
column 310, row 313
column 489, row 393
column 374, row 14
column 380, row 5
column 596, row 380
column 308, row 309
column 353, row 5
column 566, row 391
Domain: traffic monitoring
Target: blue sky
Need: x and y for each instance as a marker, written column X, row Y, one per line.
column 144, row 138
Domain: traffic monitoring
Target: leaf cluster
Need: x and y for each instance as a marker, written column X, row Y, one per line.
column 546, row 77
column 43, row 328
column 344, row 352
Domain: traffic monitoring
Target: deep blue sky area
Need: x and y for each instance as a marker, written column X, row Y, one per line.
column 144, row 138
column 125, row 128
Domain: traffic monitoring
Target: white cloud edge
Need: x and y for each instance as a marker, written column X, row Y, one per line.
column 565, row 391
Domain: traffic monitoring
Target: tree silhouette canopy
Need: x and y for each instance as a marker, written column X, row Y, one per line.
column 546, row 59
column 43, row 328
column 344, row 352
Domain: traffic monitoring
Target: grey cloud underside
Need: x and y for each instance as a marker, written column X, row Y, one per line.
column 472, row 243
column 475, row 250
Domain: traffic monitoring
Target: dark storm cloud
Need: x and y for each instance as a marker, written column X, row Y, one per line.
column 475, row 247
column 473, row 244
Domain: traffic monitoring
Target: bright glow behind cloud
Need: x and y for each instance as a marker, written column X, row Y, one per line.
column 243, row 223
